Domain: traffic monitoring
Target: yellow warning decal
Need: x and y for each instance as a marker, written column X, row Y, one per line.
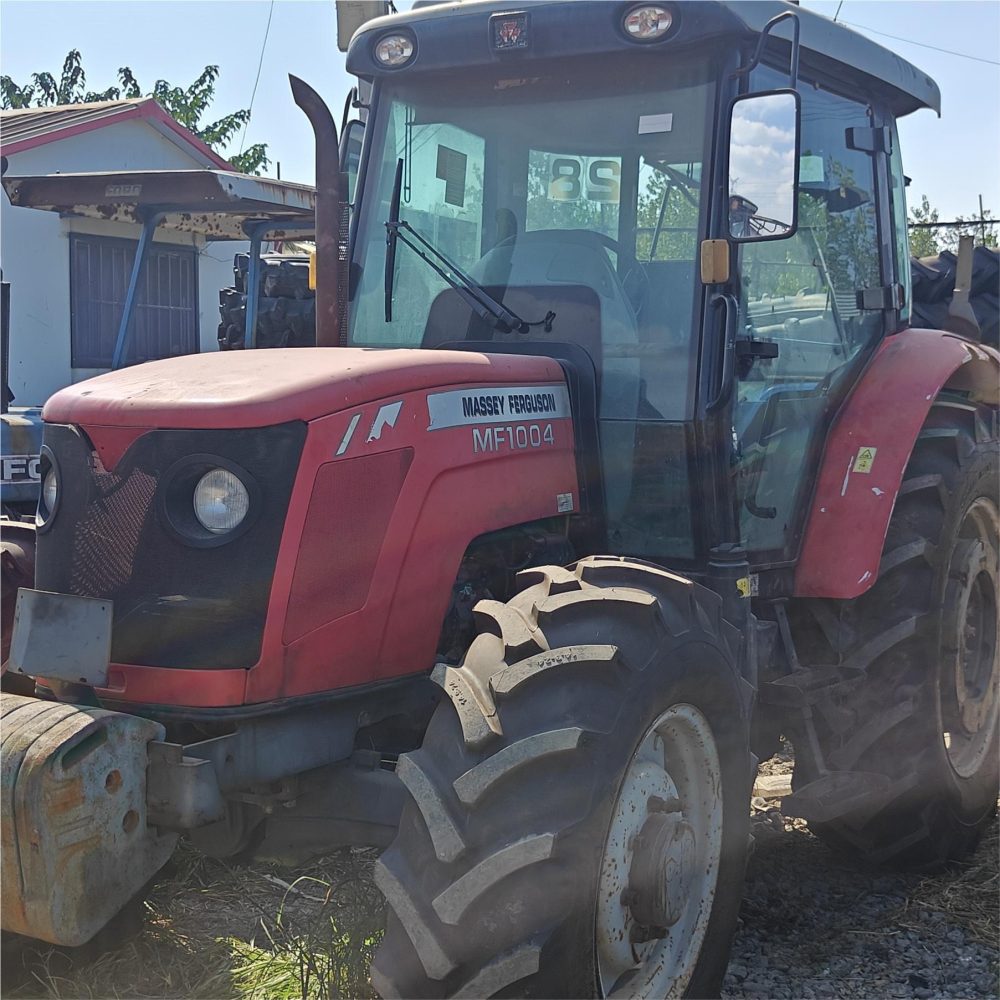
column 747, row 586
column 865, row 459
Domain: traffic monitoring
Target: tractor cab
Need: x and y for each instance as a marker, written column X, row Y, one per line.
column 723, row 247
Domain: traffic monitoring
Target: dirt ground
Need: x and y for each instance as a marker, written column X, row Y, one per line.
column 811, row 926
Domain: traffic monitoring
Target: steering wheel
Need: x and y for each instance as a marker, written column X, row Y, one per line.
column 635, row 282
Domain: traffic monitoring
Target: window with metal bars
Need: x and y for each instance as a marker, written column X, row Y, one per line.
column 166, row 314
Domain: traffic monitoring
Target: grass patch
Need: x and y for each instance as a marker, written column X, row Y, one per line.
column 213, row 930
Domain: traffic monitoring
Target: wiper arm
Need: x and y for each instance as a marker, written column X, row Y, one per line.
column 391, row 234
column 474, row 295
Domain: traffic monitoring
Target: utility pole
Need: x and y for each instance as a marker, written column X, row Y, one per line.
column 982, row 222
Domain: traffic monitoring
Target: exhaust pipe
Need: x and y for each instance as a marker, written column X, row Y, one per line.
column 331, row 221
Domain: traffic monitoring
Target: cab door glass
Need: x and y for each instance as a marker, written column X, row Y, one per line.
column 897, row 194
column 801, row 294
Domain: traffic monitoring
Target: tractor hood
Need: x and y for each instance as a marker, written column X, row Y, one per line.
column 262, row 388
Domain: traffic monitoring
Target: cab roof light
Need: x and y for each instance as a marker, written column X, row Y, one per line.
column 394, row 51
column 647, row 22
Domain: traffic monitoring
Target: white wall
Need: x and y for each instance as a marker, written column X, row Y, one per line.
column 34, row 253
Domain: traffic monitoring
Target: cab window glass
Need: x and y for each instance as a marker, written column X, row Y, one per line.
column 667, row 224
column 442, row 198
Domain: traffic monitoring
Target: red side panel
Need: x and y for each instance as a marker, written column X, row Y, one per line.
column 348, row 513
column 867, row 452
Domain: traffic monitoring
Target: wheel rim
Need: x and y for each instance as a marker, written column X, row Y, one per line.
column 661, row 860
column 970, row 679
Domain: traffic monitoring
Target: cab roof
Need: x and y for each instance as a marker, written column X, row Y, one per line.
column 566, row 28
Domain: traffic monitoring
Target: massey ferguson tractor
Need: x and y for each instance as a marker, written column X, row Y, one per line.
column 618, row 461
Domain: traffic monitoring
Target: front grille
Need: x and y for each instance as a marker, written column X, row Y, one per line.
column 118, row 508
column 175, row 604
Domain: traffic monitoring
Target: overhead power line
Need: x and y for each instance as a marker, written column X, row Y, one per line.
column 923, row 45
column 260, row 62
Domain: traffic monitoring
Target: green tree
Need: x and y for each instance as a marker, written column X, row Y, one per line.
column 188, row 105
column 923, row 241
column 986, row 235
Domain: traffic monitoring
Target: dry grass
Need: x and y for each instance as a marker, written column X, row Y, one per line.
column 967, row 893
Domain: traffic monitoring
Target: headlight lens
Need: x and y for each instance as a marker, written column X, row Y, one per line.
column 394, row 50
column 50, row 491
column 221, row 501
column 647, row 23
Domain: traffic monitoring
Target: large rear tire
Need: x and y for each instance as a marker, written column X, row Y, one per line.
column 578, row 818
column 917, row 654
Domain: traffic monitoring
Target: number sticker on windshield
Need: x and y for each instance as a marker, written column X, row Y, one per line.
column 572, row 178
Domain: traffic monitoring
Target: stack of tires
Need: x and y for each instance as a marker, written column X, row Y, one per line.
column 934, row 284
column 286, row 310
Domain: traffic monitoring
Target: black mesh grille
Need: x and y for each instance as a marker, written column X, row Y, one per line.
column 176, row 604
column 118, row 508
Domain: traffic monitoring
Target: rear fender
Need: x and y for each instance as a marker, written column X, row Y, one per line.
column 868, row 449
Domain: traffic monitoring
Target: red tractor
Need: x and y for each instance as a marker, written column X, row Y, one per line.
column 623, row 278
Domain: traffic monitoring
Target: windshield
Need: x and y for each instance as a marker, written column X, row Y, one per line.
column 577, row 194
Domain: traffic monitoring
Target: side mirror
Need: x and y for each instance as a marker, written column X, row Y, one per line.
column 350, row 154
column 763, row 175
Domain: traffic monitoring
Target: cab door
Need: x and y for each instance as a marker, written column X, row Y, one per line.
column 810, row 312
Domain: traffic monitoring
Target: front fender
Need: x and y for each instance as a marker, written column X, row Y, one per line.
column 849, row 516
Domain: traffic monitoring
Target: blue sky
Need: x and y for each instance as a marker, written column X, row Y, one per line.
column 952, row 160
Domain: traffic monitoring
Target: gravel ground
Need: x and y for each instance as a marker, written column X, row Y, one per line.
column 814, row 925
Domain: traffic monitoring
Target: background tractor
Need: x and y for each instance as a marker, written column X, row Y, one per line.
column 619, row 460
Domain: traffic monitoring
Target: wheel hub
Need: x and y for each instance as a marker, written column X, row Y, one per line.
column 660, row 876
column 661, row 860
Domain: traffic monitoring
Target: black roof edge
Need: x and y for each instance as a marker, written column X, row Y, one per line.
column 588, row 27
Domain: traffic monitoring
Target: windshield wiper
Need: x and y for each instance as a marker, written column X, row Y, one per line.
column 475, row 296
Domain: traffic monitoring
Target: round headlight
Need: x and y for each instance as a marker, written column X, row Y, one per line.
column 647, row 23
column 50, row 491
column 221, row 501
column 394, row 50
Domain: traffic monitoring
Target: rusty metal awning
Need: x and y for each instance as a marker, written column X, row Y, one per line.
column 215, row 204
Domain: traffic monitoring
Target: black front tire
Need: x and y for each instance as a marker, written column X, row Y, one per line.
column 492, row 879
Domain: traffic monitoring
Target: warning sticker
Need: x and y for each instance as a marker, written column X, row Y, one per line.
column 865, row 459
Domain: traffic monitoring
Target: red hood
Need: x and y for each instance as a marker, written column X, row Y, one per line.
column 264, row 387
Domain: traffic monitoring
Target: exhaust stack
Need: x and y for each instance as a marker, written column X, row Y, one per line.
column 331, row 235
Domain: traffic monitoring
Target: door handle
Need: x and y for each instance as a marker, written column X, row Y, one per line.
column 729, row 350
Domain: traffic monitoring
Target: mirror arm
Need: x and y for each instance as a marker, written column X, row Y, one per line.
column 793, row 70
column 349, row 104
